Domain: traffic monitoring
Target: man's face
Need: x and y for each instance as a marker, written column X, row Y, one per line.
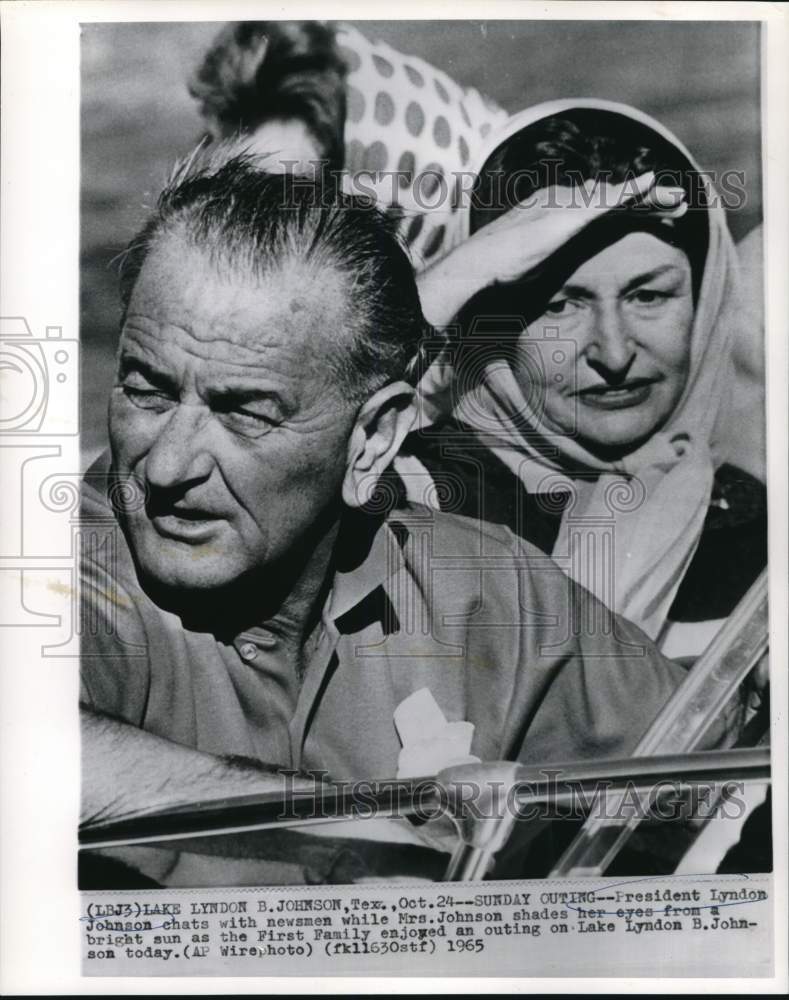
column 627, row 316
column 226, row 410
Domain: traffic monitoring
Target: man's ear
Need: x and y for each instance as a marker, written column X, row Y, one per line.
column 381, row 426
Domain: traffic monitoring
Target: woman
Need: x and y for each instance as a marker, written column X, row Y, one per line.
column 582, row 404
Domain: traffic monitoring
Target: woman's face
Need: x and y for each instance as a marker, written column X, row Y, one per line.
column 608, row 360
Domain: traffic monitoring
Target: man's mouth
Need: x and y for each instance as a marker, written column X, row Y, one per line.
column 187, row 524
column 633, row 392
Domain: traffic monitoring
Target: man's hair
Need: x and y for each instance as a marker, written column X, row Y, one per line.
column 227, row 207
column 258, row 71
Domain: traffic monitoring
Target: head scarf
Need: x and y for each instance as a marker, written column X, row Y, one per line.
column 410, row 131
column 632, row 526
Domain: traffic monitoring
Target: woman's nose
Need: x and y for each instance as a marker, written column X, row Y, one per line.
column 610, row 346
column 178, row 455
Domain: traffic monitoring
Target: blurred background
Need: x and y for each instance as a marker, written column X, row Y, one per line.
column 701, row 79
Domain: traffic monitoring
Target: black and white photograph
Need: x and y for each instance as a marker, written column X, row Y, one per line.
column 418, row 544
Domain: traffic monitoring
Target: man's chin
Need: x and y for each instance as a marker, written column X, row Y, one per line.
column 186, row 569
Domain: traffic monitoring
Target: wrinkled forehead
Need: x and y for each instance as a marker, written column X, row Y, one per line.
column 222, row 298
column 626, row 255
column 604, row 259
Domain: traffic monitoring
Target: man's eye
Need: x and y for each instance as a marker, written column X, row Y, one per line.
column 147, row 398
column 248, row 423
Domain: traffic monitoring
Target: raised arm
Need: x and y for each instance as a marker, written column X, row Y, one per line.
column 520, row 239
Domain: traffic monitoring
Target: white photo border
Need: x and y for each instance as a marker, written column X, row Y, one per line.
column 40, row 242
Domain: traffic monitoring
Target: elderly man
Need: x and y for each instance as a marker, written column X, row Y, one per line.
column 263, row 603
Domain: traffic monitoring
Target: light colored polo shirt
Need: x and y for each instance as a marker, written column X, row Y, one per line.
column 488, row 623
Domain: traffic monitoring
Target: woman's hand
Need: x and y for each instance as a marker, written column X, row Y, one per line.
column 519, row 240
column 516, row 242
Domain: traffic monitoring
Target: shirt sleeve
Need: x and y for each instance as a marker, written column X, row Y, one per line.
column 114, row 662
column 608, row 683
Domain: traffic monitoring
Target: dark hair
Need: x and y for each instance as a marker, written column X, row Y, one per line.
column 257, row 71
column 590, row 143
column 241, row 216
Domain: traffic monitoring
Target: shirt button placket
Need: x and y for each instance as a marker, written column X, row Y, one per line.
column 248, row 651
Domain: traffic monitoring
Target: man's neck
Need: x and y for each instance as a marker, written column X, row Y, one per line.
column 297, row 613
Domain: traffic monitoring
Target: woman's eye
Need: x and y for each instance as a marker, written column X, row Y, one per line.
column 560, row 307
column 649, row 297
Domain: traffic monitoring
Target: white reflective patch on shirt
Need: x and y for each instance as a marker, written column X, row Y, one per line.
column 688, row 639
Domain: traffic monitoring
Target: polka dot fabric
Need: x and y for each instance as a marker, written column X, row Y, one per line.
column 410, row 129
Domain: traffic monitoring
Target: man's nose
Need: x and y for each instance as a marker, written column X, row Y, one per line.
column 179, row 455
column 610, row 347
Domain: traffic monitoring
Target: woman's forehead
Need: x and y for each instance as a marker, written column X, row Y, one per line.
column 632, row 255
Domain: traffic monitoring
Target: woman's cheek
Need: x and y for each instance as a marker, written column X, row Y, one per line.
column 550, row 350
column 677, row 330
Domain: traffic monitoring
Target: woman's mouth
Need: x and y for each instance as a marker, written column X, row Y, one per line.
column 633, row 392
